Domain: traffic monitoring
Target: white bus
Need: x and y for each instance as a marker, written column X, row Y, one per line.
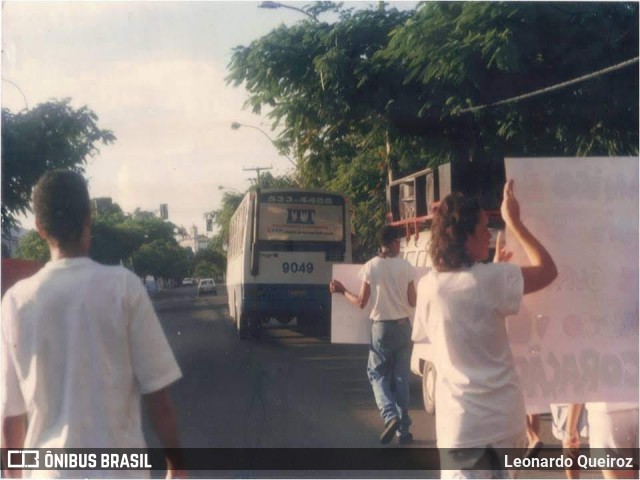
column 282, row 246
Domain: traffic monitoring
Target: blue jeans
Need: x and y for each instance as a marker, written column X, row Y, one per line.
column 388, row 369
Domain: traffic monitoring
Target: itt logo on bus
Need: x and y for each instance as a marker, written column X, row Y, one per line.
column 300, row 216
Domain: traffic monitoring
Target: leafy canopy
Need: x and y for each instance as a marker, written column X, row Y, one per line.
column 51, row 135
column 383, row 92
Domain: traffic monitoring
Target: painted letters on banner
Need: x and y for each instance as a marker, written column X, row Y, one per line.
column 577, row 340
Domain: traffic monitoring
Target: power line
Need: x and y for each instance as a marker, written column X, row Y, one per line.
column 257, row 170
column 551, row 88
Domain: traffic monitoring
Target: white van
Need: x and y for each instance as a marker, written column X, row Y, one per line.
column 414, row 250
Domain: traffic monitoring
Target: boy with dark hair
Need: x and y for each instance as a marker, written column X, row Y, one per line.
column 62, row 206
column 388, row 280
column 82, row 345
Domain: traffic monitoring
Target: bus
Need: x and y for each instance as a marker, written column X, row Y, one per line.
column 412, row 201
column 282, row 247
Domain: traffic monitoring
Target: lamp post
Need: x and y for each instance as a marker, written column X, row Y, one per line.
column 236, row 126
column 19, row 89
column 274, row 5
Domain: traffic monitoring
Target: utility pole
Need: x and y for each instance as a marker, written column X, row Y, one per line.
column 257, row 170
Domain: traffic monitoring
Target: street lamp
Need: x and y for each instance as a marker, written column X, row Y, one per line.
column 24, row 97
column 273, row 5
column 236, row 126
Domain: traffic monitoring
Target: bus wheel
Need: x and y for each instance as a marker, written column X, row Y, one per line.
column 243, row 326
column 429, row 387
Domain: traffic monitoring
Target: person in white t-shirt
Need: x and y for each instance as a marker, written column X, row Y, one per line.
column 463, row 303
column 388, row 281
column 82, row 346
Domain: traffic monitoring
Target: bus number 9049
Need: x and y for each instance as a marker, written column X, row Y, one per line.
column 293, row 267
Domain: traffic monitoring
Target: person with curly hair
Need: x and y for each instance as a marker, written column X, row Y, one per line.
column 463, row 303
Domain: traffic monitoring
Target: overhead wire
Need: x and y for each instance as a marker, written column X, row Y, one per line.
column 551, row 88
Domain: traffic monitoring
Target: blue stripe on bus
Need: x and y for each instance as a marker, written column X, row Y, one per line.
column 285, row 298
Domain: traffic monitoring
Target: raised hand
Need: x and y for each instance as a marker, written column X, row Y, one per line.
column 510, row 208
column 501, row 255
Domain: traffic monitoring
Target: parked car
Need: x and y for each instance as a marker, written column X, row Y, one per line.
column 207, row 285
column 188, row 282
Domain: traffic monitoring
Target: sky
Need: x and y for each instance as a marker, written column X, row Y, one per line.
column 154, row 73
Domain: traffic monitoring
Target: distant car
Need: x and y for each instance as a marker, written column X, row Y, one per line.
column 207, row 285
column 188, row 282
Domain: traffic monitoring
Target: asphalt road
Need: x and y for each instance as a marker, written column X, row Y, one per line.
column 283, row 390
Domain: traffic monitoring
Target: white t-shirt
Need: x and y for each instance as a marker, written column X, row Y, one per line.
column 606, row 407
column 478, row 395
column 389, row 278
column 81, row 342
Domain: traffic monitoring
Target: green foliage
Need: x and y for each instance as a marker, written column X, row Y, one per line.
column 476, row 53
column 33, row 247
column 161, row 258
column 222, row 216
column 207, row 270
column 140, row 241
column 267, row 180
column 113, row 244
column 382, row 92
column 51, row 135
column 208, row 262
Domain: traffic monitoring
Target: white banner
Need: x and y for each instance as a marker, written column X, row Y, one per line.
column 350, row 324
column 577, row 340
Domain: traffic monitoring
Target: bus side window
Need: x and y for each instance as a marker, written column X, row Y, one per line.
column 422, row 259
column 411, row 258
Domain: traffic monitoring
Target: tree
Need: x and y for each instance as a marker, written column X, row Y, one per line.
column 162, row 259
column 51, row 135
column 115, row 243
column 209, row 262
column 152, row 227
column 112, row 240
column 382, row 92
column 466, row 54
column 33, row 247
column 222, row 216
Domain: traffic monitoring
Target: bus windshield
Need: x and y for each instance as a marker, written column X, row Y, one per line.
column 301, row 217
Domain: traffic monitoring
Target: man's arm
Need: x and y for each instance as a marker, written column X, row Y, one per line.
column 411, row 294
column 163, row 419
column 14, row 430
column 359, row 300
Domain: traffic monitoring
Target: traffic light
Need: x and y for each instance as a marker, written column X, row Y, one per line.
column 164, row 211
